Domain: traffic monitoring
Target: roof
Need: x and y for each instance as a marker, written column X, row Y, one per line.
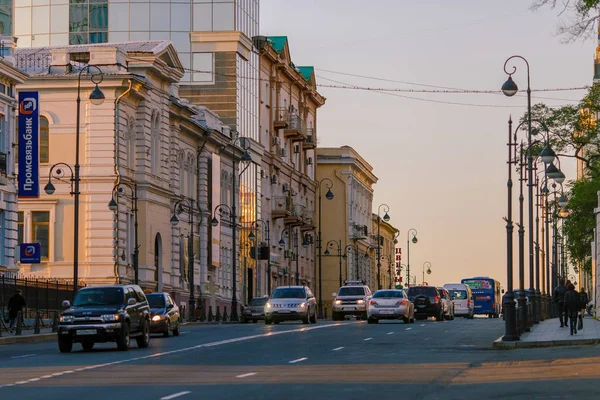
column 306, row 72
column 278, row 42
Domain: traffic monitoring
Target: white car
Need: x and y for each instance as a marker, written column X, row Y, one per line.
column 390, row 304
column 462, row 298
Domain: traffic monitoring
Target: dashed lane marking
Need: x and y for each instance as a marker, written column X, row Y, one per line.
column 174, row 395
column 369, row 338
column 298, row 360
column 390, row 333
column 246, row 375
column 408, row 329
column 338, row 348
column 24, row 355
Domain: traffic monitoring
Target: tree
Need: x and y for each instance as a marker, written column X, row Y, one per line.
column 584, row 14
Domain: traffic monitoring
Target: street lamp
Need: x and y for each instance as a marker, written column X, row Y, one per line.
column 328, row 196
column 338, row 244
column 96, row 98
column 187, row 206
column 428, row 270
column 114, row 206
column 414, row 240
column 386, row 218
column 252, row 237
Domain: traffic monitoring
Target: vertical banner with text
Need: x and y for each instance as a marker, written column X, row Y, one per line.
column 216, row 199
column 29, row 145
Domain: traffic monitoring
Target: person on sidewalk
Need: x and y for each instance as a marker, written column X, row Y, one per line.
column 559, row 300
column 571, row 307
column 583, row 302
column 15, row 305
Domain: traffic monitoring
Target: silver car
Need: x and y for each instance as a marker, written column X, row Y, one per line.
column 390, row 304
column 291, row 303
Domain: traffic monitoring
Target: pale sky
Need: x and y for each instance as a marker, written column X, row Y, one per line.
column 441, row 168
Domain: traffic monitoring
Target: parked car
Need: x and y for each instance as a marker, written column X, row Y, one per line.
column 462, row 297
column 105, row 314
column 427, row 301
column 447, row 303
column 165, row 314
column 255, row 310
column 291, row 303
column 351, row 299
column 390, row 304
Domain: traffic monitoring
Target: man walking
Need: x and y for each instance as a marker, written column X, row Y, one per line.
column 559, row 299
column 15, row 305
column 571, row 305
column 583, row 301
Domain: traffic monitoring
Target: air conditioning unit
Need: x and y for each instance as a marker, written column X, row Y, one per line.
column 276, row 140
column 274, row 179
column 309, row 161
column 286, row 254
column 296, row 149
column 283, row 152
column 286, row 187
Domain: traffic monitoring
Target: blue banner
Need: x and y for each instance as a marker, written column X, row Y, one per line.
column 29, row 145
column 31, row 253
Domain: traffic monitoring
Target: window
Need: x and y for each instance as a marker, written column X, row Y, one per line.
column 40, row 228
column 44, row 140
column 88, row 21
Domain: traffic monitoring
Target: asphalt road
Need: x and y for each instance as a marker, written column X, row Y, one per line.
column 349, row 360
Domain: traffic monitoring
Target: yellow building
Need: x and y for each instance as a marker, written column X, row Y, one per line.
column 388, row 242
column 346, row 219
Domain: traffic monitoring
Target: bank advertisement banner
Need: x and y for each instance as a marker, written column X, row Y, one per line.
column 29, row 145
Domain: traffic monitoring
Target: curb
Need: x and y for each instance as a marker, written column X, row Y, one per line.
column 500, row 345
column 27, row 338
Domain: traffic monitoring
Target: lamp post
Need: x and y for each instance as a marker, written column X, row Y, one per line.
column 114, row 206
column 338, row 244
column 251, row 236
column 187, row 206
column 296, row 247
column 414, row 240
column 386, row 218
column 428, row 270
column 96, row 98
column 328, row 196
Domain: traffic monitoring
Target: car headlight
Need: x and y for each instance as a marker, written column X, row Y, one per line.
column 110, row 317
column 268, row 305
column 157, row 318
column 361, row 301
column 67, row 318
column 338, row 302
column 302, row 305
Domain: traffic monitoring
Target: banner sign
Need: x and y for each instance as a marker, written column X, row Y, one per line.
column 216, row 199
column 31, row 253
column 29, row 145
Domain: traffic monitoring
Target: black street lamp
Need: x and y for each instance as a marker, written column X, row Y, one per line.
column 96, row 98
column 386, row 218
column 187, row 206
column 414, row 240
column 297, row 253
column 328, row 196
column 338, row 244
column 114, row 206
column 428, row 264
column 252, row 237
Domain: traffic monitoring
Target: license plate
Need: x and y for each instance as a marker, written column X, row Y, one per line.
column 386, row 311
column 284, row 311
column 86, row 332
column 255, row 314
column 350, row 308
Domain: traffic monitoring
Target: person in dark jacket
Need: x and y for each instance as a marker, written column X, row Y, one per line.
column 15, row 304
column 584, row 300
column 559, row 299
column 571, row 307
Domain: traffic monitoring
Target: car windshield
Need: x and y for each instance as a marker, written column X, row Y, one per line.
column 352, row 291
column 156, row 300
column 289, row 293
column 421, row 290
column 458, row 294
column 99, row 297
column 389, row 294
column 258, row 302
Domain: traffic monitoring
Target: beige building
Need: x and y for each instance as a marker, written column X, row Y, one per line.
column 289, row 101
column 347, row 218
column 155, row 145
column 387, row 242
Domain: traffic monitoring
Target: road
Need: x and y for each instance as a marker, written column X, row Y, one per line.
column 343, row 360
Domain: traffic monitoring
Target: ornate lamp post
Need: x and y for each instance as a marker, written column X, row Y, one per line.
column 114, row 206
column 328, row 196
column 96, row 98
column 414, row 240
column 252, row 237
column 337, row 244
column 386, row 218
column 187, row 206
column 428, row 270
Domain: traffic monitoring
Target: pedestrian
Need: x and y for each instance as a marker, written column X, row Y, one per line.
column 572, row 307
column 559, row 300
column 15, row 305
column 584, row 300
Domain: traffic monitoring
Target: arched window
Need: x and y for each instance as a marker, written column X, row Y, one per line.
column 155, row 146
column 44, row 140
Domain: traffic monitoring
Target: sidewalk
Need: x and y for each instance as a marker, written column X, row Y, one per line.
column 548, row 333
column 27, row 335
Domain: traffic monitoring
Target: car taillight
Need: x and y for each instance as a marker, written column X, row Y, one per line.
column 436, row 299
column 403, row 302
column 373, row 302
column 493, row 305
column 468, row 303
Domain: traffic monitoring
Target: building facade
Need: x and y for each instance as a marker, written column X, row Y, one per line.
column 288, row 120
column 388, row 236
column 10, row 76
column 346, row 219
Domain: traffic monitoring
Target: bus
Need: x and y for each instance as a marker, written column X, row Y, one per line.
column 486, row 295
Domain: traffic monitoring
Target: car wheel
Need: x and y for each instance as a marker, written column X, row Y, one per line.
column 143, row 341
column 441, row 318
column 306, row 319
column 406, row 320
column 176, row 330
column 123, row 341
column 167, row 331
column 87, row 345
column 268, row 321
column 65, row 344
column 313, row 319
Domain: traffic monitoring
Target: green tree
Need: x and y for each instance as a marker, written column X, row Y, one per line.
column 578, row 17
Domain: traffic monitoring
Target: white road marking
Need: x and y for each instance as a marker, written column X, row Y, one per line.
column 25, row 355
column 298, row 360
column 422, row 325
column 390, row 333
column 408, row 329
column 246, row 375
column 369, row 338
column 174, row 395
column 337, row 348
column 426, row 338
column 183, row 333
column 34, row 379
column 467, row 345
column 199, row 346
column 46, row 376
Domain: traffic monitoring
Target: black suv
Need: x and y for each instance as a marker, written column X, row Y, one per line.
column 102, row 314
column 428, row 302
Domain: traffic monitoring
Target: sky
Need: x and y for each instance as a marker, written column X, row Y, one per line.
column 442, row 168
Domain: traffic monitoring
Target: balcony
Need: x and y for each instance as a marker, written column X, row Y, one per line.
column 308, row 220
column 281, row 207
column 310, row 142
column 295, row 218
column 359, row 232
column 296, row 129
column 281, row 118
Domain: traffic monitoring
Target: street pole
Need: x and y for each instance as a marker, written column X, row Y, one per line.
column 297, row 258
column 113, row 206
column 414, row 240
column 386, row 218
column 328, row 196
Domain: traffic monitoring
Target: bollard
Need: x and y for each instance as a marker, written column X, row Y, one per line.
column 36, row 327
column 19, row 323
column 55, row 322
column 210, row 314
column 225, row 317
column 218, row 316
column 202, row 314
